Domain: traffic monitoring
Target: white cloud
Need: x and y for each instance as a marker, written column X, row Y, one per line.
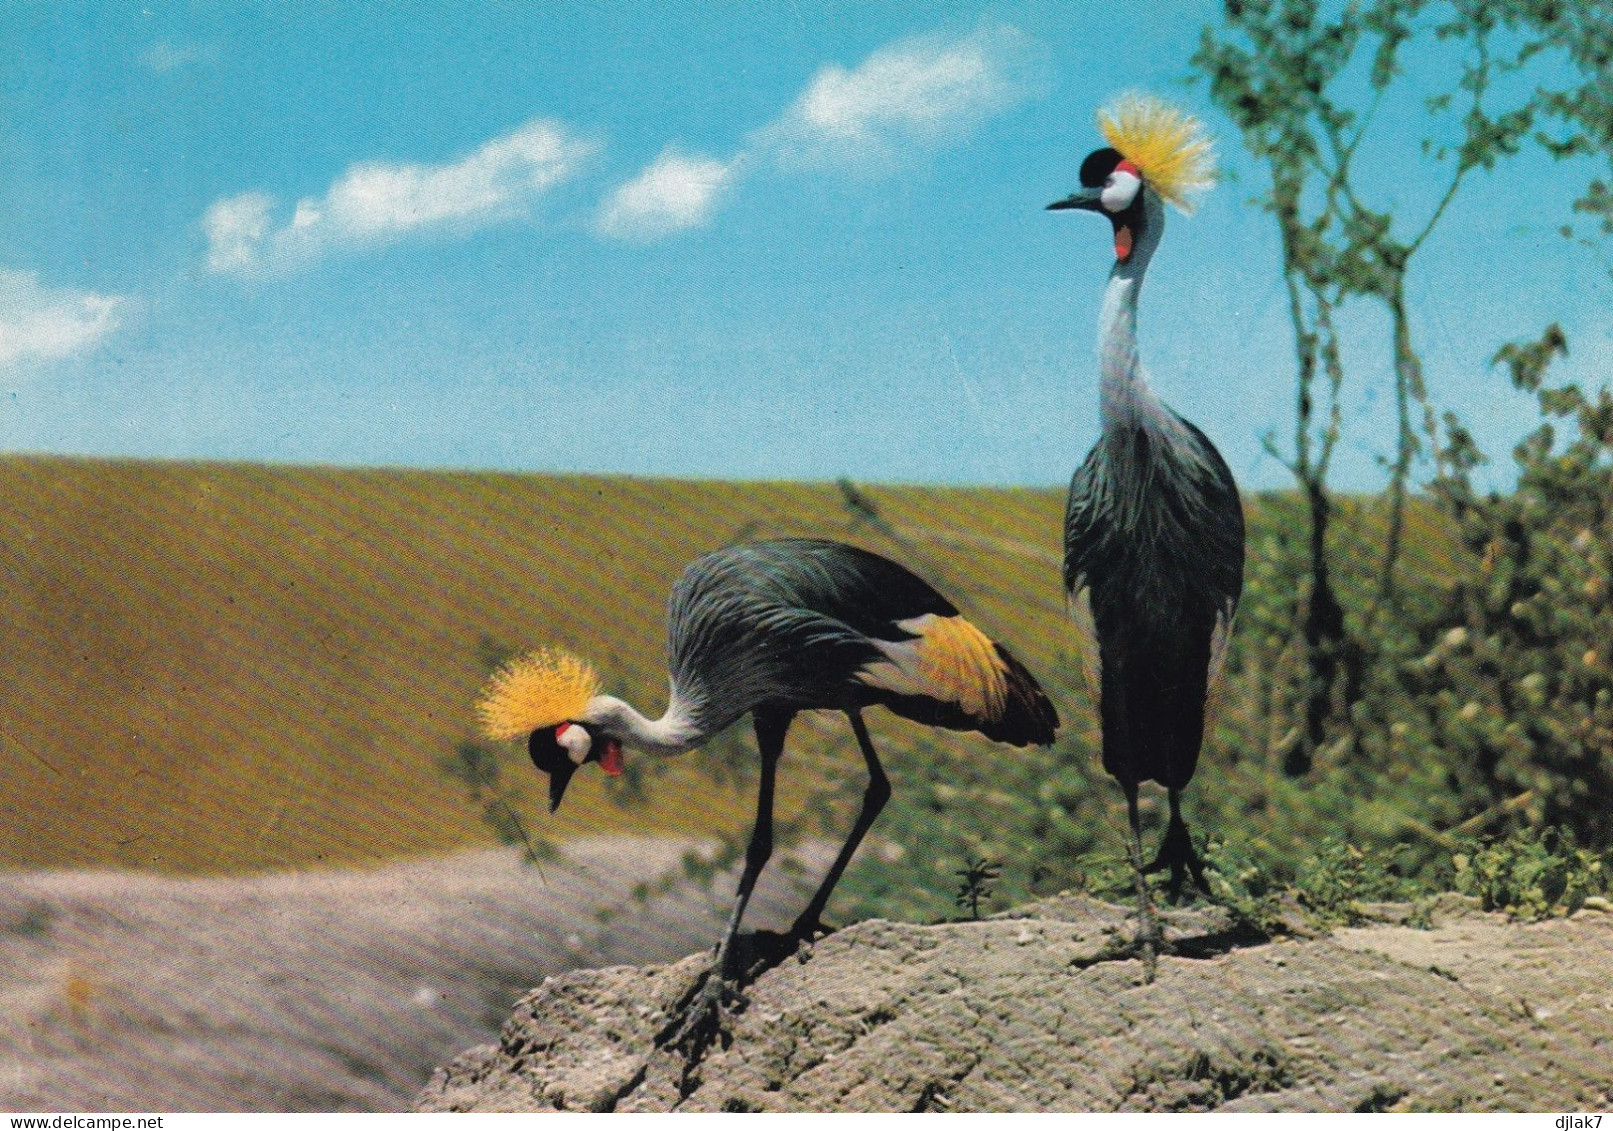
column 376, row 203
column 43, row 323
column 913, row 96
column 163, row 56
column 673, row 192
column 917, row 94
column 235, row 228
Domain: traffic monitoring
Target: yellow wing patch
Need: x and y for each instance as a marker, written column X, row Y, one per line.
column 961, row 664
column 1170, row 147
column 541, row 689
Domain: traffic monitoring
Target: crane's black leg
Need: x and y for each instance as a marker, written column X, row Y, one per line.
column 1149, row 935
column 1177, row 853
column 697, row 1020
column 874, row 798
column 770, row 730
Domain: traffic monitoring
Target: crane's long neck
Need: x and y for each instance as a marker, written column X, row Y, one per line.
column 1123, row 392
column 673, row 733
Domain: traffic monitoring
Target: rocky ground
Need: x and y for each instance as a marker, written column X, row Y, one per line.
column 1037, row 1010
column 317, row 991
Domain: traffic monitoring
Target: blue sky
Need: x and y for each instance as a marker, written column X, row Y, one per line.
column 784, row 241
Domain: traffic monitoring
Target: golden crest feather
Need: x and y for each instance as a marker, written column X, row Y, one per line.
column 1169, row 146
column 541, row 689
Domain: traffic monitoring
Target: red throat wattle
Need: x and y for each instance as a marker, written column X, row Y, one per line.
column 1123, row 242
column 611, row 759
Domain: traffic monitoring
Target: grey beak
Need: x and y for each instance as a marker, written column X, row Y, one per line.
column 1088, row 199
column 558, row 780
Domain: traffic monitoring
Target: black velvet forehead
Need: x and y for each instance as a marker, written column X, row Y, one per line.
column 1097, row 167
column 546, row 753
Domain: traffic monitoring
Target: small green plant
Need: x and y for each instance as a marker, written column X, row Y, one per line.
column 1530, row 875
column 1246, row 886
column 1333, row 883
column 975, row 884
column 477, row 768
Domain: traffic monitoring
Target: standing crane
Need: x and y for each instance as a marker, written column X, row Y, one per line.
column 1153, row 530
column 771, row 629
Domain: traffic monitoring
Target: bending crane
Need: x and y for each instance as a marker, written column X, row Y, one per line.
column 771, row 629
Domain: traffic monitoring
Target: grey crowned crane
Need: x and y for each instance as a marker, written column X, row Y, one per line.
column 771, row 629
column 1153, row 530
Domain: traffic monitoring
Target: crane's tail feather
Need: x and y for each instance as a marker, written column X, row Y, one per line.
column 1028, row 717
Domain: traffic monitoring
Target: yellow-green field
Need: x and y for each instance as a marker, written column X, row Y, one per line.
column 217, row 668
column 231, row 667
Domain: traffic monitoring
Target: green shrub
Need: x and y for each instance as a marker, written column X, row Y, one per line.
column 1334, row 883
column 1530, row 875
column 1516, row 685
column 1242, row 880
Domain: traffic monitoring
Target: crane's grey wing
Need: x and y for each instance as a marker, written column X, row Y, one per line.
column 860, row 589
column 1223, row 562
column 1086, row 642
column 938, row 667
column 732, row 652
column 1080, row 545
column 1215, row 519
column 811, row 623
column 1215, row 685
column 745, row 629
column 1222, row 526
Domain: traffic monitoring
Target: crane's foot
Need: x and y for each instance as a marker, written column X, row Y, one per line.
column 757, row 952
column 1149, row 942
column 810, row 930
column 1177, row 853
column 749, row 955
column 700, row 1022
column 806, row 932
column 720, row 997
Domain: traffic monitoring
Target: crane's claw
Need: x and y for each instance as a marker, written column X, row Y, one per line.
column 719, row 997
column 1177, row 853
column 810, row 931
column 701, row 1021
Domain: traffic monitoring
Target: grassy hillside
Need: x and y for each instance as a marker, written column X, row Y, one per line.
column 224, row 668
column 215, row 668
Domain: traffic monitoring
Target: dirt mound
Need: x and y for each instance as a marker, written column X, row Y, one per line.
column 1033, row 1011
column 314, row 991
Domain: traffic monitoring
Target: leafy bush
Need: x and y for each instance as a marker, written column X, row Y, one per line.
column 1333, row 884
column 1242, row 881
column 1517, row 682
column 1530, row 875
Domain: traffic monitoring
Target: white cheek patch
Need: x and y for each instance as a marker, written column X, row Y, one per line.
column 577, row 742
column 1120, row 191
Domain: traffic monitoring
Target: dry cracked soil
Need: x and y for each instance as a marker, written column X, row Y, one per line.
column 1040, row 1010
